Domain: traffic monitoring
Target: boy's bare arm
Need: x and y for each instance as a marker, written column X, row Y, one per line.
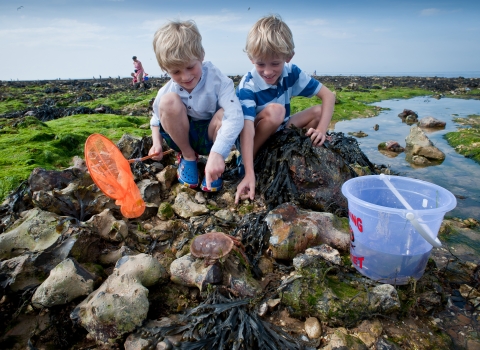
column 246, row 188
column 318, row 134
column 157, row 143
column 214, row 168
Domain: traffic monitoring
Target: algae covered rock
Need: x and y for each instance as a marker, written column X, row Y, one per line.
column 36, row 231
column 121, row 303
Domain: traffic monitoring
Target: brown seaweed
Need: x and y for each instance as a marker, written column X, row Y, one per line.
column 223, row 323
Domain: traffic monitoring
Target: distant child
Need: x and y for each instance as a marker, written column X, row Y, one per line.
column 134, row 78
column 138, row 68
column 265, row 94
column 197, row 111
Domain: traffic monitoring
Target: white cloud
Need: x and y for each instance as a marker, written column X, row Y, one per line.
column 430, row 12
column 223, row 22
column 65, row 32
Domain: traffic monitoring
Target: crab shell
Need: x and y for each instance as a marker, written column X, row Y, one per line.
column 212, row 245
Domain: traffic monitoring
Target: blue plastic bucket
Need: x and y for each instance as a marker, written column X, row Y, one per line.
column 394, row 222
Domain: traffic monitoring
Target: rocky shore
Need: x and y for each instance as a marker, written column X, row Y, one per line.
column 278, row 274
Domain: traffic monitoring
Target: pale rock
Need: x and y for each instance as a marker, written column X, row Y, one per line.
column 150, row 191
column 121, row 303
column 108, row 227
column 67, row 281
column 186, row 208
column 313, row 328
column 384, row 298
column 293, row 230
column 35, row 231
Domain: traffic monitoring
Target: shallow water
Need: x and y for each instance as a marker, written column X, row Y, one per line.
column 457, row 174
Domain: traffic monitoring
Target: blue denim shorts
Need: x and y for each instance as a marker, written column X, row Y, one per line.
column 198, row 136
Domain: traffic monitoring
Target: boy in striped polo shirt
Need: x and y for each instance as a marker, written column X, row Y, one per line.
column 265, row 94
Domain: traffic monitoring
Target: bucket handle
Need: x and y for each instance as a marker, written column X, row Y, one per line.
column 421, row 228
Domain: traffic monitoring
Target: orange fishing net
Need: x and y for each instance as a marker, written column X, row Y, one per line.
column 111, row 173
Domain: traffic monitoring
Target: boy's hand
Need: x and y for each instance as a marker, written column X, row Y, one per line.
column 156, row 150
column 246, row 188
column 317, row 137
column 214, row 168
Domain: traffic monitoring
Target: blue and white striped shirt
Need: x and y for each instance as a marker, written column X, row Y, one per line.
column 255, row 94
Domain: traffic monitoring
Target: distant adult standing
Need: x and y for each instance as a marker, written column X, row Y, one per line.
column 138, row 68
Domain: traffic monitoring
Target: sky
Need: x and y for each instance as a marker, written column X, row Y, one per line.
column 77, row 39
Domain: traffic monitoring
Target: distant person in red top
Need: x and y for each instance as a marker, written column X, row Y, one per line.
column 138, row 68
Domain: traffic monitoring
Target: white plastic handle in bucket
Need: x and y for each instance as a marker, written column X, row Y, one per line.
column 421, row 228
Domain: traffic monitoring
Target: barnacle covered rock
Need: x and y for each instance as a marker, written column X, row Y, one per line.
column 121, row 303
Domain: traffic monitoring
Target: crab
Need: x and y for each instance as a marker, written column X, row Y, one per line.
column 213, row 246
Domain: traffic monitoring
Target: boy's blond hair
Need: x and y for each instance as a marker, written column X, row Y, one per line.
column 177, row 43
column 270, row 37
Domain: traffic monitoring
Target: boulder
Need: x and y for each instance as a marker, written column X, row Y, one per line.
column 109, row 228
column 293, row 230
column 186, row 207
column 431, row 122
column 67, row 281
column 35, row 231
column 191, row 272
column 150, row 191
column 384, row 299
column 121, row 303
column 392, row 146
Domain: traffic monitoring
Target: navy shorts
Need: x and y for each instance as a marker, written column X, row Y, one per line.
column 198, row 136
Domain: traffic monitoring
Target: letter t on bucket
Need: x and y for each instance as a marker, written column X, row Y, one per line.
column 394, row 222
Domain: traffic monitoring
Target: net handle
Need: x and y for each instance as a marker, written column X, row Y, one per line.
column 148, row 157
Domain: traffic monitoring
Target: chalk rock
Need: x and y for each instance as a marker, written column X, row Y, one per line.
column 191, row 272
column 311, row 255
column 121, row 303
column 369, row 331
column 108, row 227
column 20, row 273
column 130, row 146
column 391, row 145
column 67, row 281
column 431, row 122
column 429, row 152
column 150, row 191
column 419, row 144
column 167, row 177
column 36, row 231
column 185, row 207
column 340, row 339
column 113, row 256
column 294, row 230
column 384, row 298
column 417, row 137
column 313, row 328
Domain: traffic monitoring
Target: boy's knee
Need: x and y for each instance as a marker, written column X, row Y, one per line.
column 317, row 112
column 275, row 113
column 170, row 101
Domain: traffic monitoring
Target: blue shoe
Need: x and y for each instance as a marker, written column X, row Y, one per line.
column 187, row 172
column 215, row 185
column 240, row 167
